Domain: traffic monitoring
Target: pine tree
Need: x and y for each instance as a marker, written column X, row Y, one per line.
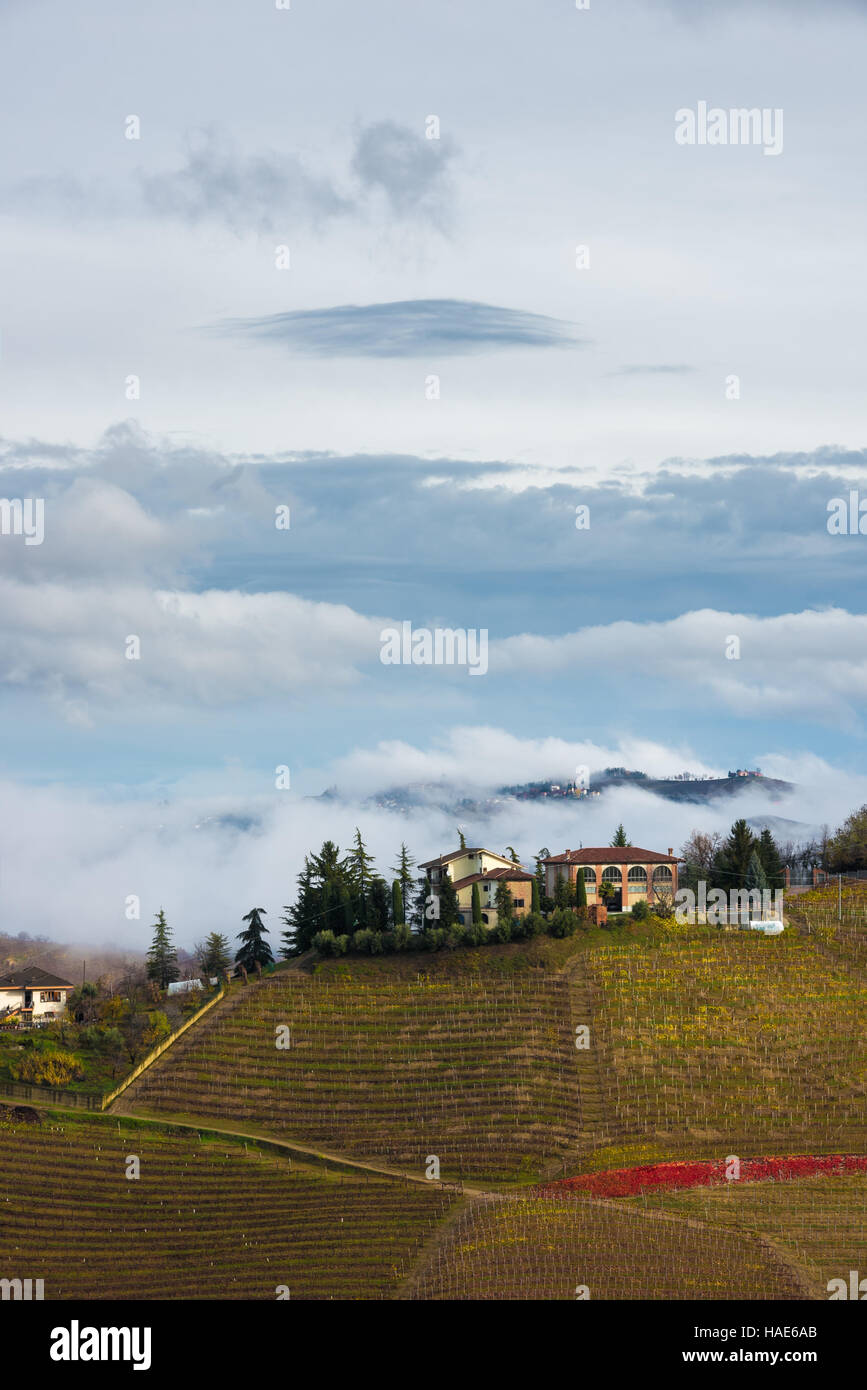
column 377, row 905
column 536, row 897
column 162, row 957
column 358, row 868
column 254, row 948
column 449, row 909
column 216, row 957
column 477, row 905
column 620, row 839
column 733, row 860
column 463, row 838
column 756, row 877
column 540, row 870
column 504, row 903
column 564, row 893
column 510, row 850
column 397, row 914
column 403, row 872
column 772, row 862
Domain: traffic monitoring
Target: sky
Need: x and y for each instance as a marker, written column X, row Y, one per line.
column 321, row 321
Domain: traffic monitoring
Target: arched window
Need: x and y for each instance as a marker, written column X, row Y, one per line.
column 589, row 874
column 662, row 874
column 637, row 879
column 612, row 875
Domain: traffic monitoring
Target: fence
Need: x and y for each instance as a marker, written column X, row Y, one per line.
column 89, row 1100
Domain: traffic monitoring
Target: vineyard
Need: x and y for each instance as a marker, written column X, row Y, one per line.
column 819, row 1223
column 478, row 1072
column 569, row 1248
column 203, row 1220
column 736, row 1044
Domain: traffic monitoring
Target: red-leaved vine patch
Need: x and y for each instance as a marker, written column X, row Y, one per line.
column 629, row 1182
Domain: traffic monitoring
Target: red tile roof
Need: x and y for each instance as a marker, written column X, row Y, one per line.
column 515, row 875
column 612, row 854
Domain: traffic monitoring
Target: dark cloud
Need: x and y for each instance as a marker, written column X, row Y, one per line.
column 407, row 328
column 402, row 163
column 243, row 192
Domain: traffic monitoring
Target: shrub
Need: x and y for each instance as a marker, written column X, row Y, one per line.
column 503, row 930
column 641, row 910
column 342, row 944
column 434, row 940
column 325, row 942
column 475, row 934
column 534, row 924
column 455, row 935
column 562, row 922
column 48, row 1069
column 402, row 937
column 367, row 942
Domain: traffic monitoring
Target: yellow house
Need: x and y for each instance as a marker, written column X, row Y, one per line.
column 468, row 866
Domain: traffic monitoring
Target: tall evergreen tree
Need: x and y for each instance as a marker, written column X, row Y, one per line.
column 580, row 888
column 162, row 957
column 463, row 839
column 756, row 877
column 504, row 903
column 733, row 860
column 536, row 897
column 772, row 863
column 215, row 957
column 377, row 905
column 477, row 905
column 403, row 872
column 620, row 839
column 540, row 870
column 358, row 867
column 397, row 913
column 449, row 909
column 254, row 948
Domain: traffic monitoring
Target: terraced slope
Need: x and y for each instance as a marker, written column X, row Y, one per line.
column 204, row 1220
column 479, row 1073
column 550, row 1248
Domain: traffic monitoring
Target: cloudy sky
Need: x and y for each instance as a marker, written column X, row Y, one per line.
column 432, row 278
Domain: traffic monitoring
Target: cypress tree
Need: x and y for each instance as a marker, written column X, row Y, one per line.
column 403, row 872
column 477, row 906
column 397, row 913
column 580, row 889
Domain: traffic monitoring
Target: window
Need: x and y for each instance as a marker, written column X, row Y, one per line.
column 612, row 875
column 589, row 874
column 662, row 874
column 519, row 902
column 637, row 875
column 50, row 996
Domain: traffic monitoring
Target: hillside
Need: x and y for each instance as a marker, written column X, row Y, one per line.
column 700, row 1043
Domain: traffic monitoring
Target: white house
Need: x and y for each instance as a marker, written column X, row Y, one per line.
column 31, row 995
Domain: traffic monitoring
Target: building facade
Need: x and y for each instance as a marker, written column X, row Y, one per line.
column 466, row 867
column 32, row 995
column 634, row 874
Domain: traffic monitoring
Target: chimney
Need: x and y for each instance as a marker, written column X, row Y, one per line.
column 670, row 852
